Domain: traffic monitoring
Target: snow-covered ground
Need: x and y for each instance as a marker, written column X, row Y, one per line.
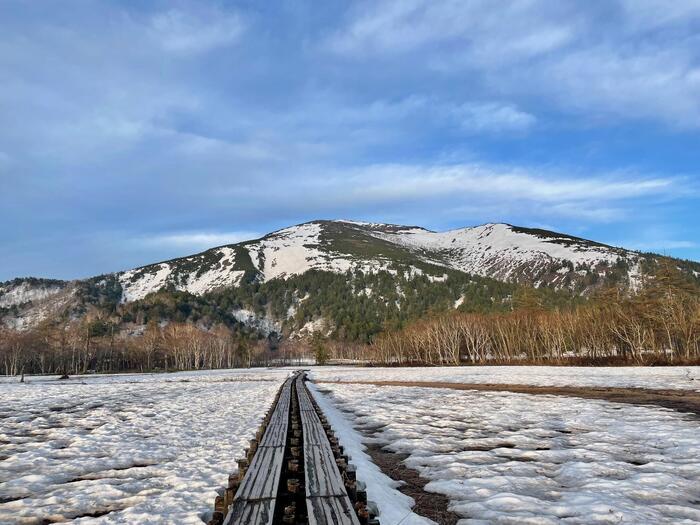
column 145, row 448
column 514, row 458
column 394, row 506
column 154, row 448
column 656, row 378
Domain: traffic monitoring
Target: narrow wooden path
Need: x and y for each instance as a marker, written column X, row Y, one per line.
column 295, row 471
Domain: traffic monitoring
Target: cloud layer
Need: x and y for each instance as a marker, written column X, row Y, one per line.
column 132, row 132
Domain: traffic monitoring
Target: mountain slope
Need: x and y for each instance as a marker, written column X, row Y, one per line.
column 501, row 252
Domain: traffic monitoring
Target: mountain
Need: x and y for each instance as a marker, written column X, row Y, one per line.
column 283, row 262
column 499, row 251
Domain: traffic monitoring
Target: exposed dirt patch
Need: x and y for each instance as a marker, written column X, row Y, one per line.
column 428, row 504
column 686, row 401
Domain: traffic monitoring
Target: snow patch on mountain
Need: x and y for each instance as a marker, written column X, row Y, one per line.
column 262, row 324
column 317, row 325
column 293, row 251
column 219, row 276
column 498, row 250
column 36, row 303
column 138, row 283
column 24, row 292
column 298, row 249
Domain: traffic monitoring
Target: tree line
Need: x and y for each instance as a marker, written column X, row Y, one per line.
column 660, row 324
column 93, row 345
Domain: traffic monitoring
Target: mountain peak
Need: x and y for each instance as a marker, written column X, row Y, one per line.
column 494, row 250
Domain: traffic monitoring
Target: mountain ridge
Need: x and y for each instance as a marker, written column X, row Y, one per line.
column 499, row 251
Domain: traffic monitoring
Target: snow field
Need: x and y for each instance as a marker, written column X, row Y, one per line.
column 655, row 378
column 509, row 458
column 125, row 448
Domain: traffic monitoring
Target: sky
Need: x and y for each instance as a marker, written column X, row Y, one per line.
column 133, row 132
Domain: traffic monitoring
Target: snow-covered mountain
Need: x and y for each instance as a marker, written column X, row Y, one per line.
column 498, row 251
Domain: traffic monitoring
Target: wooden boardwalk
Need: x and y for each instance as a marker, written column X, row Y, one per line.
column 295, row 471
column 327, row 500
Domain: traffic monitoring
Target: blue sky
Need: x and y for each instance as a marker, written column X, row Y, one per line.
column 132, row 132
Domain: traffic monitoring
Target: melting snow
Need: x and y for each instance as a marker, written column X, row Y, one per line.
column 659, row 378
column 145, row 448
column 298, row 249
column 219, row 275
column 394, row 506
column 513, row 458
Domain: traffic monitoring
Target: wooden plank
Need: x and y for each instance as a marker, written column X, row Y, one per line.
column 263, row 475
column 327, row 501
column 304, row 400
column 331, row 511
column 322, row 475
column 251, row 512
column 304, row 397
column 255, row 500
column 314, row 433
column 276, row 433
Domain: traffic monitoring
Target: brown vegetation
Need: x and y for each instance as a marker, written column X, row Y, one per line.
column 658, row 325
column 90, row 345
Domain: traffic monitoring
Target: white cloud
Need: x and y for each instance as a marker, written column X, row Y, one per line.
column 195, row 32
column 652, row 14
column 629, row 59
column 636, row 83
column 493, row 117
column 518, row 29
column 406, row 181
column 497, row 191
column 190, row 241
column 660, row 245
column 383, row 118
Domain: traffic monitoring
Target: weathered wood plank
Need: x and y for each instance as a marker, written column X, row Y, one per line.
column 276, row 433
column 263, row 475
column 304, row 399
column 314, row 433
column 255, row 498
column 322, row 475
column 331, row 511
column 251, row 512
column 327, row 500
